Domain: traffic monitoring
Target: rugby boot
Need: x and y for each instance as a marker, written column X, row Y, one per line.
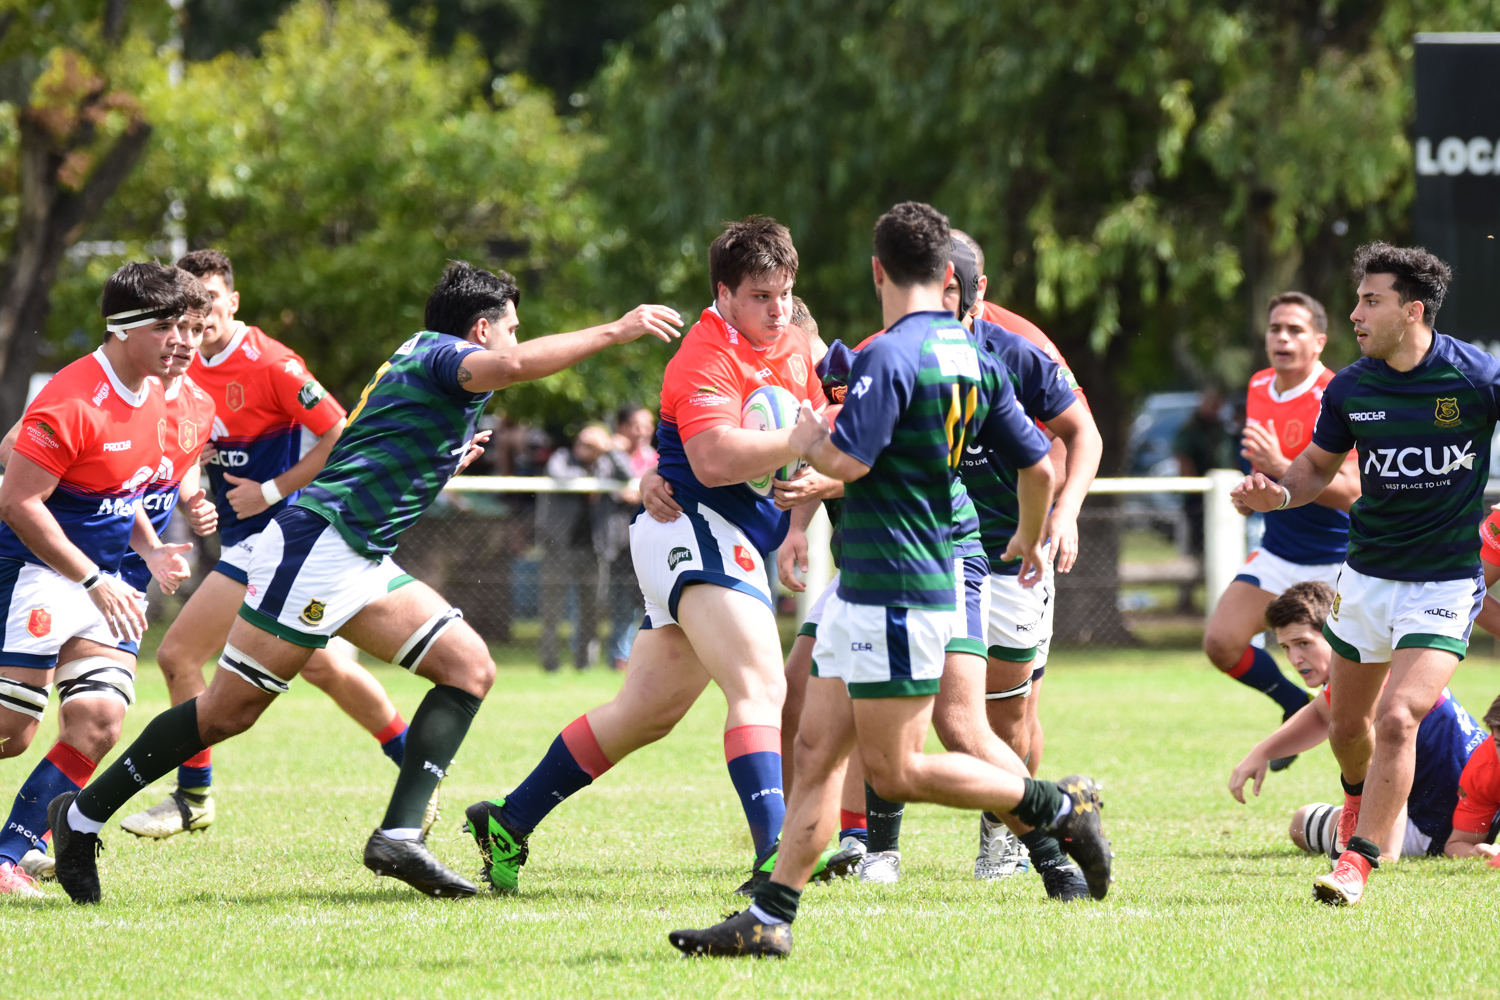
column 186, row 810
column 1082, row 835
column 17, row 883
column 852, row 843
column 880, row 867
column 838, row 862
column 1348, row 822
column 739, row 934
column 38, row 865
column 503, row 849
column 412, row 863
column 1345, row 885
column 1000, row 853
column 77, row 853
column 1063, row 882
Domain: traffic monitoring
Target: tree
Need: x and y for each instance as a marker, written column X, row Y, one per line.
column 69, row 136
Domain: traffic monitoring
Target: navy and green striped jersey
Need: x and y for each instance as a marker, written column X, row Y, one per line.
column 1423, row 441
column 1044, row 389
column 401, row 445
column 917, row 395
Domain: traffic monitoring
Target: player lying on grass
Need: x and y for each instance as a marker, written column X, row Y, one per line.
column 90, row 445
column 323, row 567
column 917, row 396
column 1446, row 737
column 1476, row 820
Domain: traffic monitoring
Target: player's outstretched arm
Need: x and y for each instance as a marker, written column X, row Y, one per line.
column 249, row 497
column 1300, row 733
column 488, row 371
column 1306, row 478
column 1034, row 484
column 1076, row 429
column 1463, row 844
column 810, row 439
column 23, row 496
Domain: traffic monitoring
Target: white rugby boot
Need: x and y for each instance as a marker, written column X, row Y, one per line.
column 1001, row 854
column 882, row 867
column 183, row 811
column 39, row 866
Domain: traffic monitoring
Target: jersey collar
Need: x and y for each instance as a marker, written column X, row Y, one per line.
column 170, row 394
column 1296, row 390
column 135, row 400
column 234, row 344
column 730, row 333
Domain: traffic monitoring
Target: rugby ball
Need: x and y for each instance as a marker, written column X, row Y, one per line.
column 771, row 408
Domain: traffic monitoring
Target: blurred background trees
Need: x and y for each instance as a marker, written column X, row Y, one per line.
column 1142, row 175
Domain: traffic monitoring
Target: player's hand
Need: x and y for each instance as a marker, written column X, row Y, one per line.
column 1490, row 851
column 811, row 429
column 807, row 485
column 203, row 517
column 656, row 497
column 1260, row 448
column 1256, row 492
column 207, row 455
column 1032, row 560
column 118, row 603
column 246, row 497
column 1251, row 767
column 1062, row 529
column 655, row 320
column 791, row 557
column 476, row 448
column 167, row 564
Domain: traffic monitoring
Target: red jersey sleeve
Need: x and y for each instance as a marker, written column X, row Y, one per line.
column 703, row 388
column 55, row 431
column 300, row 397
column 1478, row 790
column 1489, row 539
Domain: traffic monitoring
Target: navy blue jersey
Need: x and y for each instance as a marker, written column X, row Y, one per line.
column 1445, row 739
column 917, row 395
column 1044, row 390
column 1423, row 442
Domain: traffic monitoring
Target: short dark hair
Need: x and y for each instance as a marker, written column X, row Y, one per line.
column 914, row 244
column 972, row 244
column 142, row 285
column 202, row 263
column 1420, row 276
column 1492, row 717
column 751, row 248
column 1301, row 604
column 802, row 317
column 194, row 295
column 465, row 295
column 1312, row 305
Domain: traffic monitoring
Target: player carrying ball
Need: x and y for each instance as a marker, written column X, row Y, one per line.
column 323, row 568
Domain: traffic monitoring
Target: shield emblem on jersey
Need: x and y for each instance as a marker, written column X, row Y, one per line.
column 798, row 367
column 1447, row 412
column 745, row 560
column 234, row 395
column 313, row 613
column 187, row 436
column 39, row 622
column 161, row 435
column 1291, row 434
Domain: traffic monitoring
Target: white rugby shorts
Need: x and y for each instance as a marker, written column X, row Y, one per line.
column 1275, row 575
column 1371, row 616
column 701, row 546
column 234, row 560
column 881, row 652
column 43, row 610
column 1021, row 618
column 305, row 582
column 815, row 613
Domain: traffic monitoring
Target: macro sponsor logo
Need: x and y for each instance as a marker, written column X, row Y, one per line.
column 1411, row 463
column 678, row 556
column 230, row 458
column 117, row 446
column 101, row 393
column 1366, row 416
column 159, row 501
column 118, row 506
column 1441, row 613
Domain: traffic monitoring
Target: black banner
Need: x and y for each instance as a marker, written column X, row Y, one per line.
column 1457, row 144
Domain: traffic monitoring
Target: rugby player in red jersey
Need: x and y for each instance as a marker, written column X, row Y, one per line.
column 1476, row 818
column 90, row 444
column 264, row 397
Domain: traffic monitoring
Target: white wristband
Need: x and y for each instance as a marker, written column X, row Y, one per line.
column 92, row 578
column 1286, row 498
column 270, row 492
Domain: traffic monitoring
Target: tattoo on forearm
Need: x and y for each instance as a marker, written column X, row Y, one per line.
column 464, row 375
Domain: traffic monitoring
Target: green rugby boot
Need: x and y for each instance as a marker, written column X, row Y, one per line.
column 836, row 861
column 503, row 850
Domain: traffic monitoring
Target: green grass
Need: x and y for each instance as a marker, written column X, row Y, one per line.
column 1211, row 899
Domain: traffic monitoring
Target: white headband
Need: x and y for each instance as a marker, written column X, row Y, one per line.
column 118, row 323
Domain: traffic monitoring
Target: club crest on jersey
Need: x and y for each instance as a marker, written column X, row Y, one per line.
column 313, row 613
column 678, row 556
column 798, row 367
column 1291, row 434
column 744, row 559
column 187, row 436
column 1446, row 414
column 39, row 622
column 234, row 395
column 161, row 435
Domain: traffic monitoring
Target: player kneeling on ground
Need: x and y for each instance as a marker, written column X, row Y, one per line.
column 323, row 568
column 1445, row 739
column 917, row 396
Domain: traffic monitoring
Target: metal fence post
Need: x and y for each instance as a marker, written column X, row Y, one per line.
column 819, row 562
column 1223, row 537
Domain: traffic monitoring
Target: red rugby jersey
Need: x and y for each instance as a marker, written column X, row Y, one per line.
column 1018, row 324
column 1312, row 534
column 1489, row 539
column 1479, row 790
column 104, row 444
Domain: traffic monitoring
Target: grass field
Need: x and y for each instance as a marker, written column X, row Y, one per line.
column 1211, row 899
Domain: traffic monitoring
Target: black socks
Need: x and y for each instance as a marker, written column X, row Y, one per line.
column 437, row 730
column 778, row 900
column 168, row 740
column 884, row 821
column 1349, row 789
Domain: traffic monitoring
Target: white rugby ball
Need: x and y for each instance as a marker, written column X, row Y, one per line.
column 771, row 408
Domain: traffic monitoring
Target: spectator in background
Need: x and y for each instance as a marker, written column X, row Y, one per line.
column 635, row 427
column 565, row 532
column 1203, row 443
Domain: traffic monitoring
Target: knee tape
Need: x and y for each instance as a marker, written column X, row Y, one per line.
column 27, row 699
column 249, row 670
column 1317, row 828
column 411, row 652
column 1021, row 690
column 95, row 677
